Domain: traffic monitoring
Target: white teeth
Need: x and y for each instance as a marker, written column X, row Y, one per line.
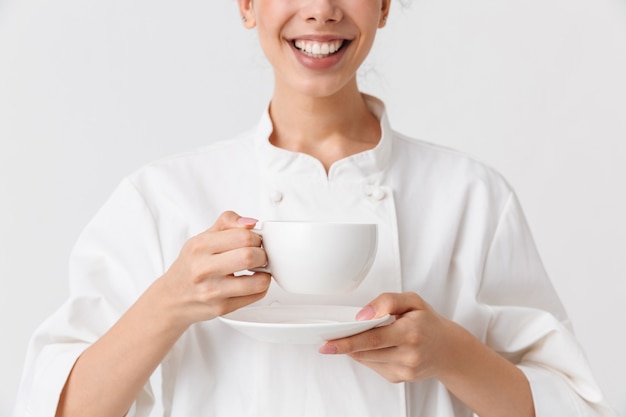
column 318, row 49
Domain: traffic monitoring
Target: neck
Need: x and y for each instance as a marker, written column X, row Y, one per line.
column 327, row 128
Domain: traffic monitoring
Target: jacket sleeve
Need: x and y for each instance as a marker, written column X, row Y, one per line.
column 529, row 325
column 116, row 257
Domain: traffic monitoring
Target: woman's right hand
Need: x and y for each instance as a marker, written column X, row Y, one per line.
column 201, row 285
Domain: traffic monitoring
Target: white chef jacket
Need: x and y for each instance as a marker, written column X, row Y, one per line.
column 450, row 229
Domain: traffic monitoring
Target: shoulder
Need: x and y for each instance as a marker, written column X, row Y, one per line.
column 446, row 179
column 443, row 164
column 197, row 181
column 211, row 161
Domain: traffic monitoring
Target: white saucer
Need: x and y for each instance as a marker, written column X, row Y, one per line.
column 298, row 324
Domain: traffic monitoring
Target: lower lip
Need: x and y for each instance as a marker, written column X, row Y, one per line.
column 318, row 63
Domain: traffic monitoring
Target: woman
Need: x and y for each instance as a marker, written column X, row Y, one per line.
column 478, row 326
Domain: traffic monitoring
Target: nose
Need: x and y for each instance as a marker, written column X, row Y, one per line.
column 322, row 11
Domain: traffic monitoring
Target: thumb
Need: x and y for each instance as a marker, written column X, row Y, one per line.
column 394, row 304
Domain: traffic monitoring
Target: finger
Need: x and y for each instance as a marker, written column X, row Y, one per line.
column 230, row 220
column 391, row 303
column 235, row 303
column 210, row 242
column 231, row 261
column 377, row 338
column 391, row 372
column 232, row 288
column 382, row 356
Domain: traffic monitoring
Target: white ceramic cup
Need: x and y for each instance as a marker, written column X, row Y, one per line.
column 316, row 257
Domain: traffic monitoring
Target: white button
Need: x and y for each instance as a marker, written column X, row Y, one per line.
column 377, row 194
column 276, row 197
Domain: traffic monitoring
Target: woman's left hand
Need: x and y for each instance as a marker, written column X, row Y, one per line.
column 410, row 349
column 422, row 343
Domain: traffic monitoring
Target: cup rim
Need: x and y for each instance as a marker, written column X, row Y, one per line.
column 316, row 222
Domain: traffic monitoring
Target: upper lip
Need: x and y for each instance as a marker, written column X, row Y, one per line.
column 318, row 38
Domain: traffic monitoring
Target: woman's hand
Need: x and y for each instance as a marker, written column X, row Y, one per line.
column 201, row 285
column 409, row 349
column 421, row 344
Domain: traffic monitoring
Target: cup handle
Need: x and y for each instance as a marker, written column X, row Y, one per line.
column 261, row 268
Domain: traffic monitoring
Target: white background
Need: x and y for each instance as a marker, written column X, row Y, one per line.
column 90, row 91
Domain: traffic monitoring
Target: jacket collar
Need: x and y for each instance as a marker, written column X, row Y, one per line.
column 357, row 167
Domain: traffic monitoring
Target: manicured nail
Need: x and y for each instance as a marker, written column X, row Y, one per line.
column 367, row 313
column 328, row 349
column 247, row 221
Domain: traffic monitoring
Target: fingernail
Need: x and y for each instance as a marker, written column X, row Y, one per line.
column 247, row 221
column 367, row 313
column 328, row 349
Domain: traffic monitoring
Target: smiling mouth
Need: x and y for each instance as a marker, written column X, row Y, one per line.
column 319, row 49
